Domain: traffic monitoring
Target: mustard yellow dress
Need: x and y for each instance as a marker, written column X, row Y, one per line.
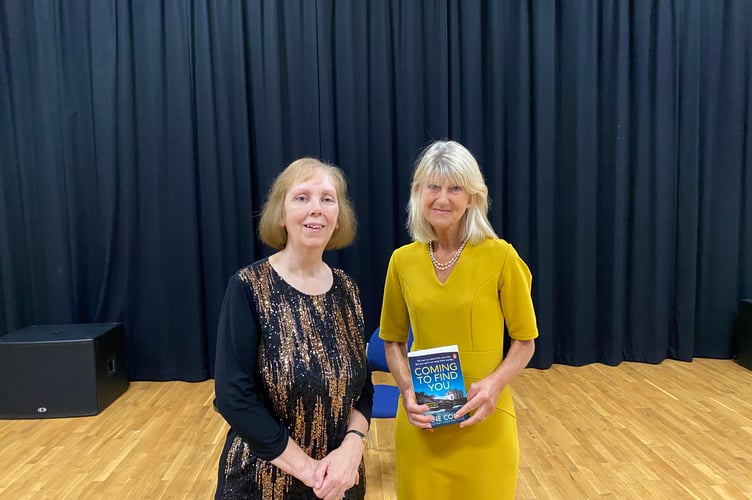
column 488, row 288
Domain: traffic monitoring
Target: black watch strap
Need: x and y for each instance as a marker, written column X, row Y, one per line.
column 357, row 433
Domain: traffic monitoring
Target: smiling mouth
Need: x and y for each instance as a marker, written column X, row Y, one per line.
column 313, row 226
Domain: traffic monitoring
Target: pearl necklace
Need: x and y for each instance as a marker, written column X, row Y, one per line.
column 447, row 265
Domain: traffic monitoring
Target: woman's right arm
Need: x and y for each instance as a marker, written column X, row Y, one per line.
column 238, row 394
column 396, row 357
column 298, row 464
column 395, row 321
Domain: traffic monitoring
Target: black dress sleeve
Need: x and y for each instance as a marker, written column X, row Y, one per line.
column 237, row 389
column 364, row 404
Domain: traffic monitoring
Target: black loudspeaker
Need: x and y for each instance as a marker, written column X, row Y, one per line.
column 743, row 334
column 61, row 370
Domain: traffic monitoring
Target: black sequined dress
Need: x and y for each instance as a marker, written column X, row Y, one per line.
column 287, row 364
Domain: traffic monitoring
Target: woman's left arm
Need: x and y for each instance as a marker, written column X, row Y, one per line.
column 514, row 288
column 482, row 395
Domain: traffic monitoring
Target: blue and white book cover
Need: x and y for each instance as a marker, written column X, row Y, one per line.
column 438, row 382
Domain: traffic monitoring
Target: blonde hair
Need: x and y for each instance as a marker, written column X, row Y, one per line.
column 275, row 235
column 449, row 162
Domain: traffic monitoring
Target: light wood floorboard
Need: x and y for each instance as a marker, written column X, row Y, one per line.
column 674, row 430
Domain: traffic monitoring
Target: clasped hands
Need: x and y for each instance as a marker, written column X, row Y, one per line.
column 337, row 472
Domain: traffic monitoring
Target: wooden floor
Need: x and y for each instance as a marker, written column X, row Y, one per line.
column 675, row 430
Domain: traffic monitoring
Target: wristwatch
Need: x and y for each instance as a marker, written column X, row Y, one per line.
column 360, row 435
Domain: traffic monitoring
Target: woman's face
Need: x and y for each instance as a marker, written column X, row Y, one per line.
column 310, row 212
column 444, row 204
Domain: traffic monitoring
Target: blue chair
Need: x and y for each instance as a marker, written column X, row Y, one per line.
column 385, row 396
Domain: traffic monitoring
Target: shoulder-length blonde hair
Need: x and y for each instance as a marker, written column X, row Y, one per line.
column 449, row 162
column 273, row 234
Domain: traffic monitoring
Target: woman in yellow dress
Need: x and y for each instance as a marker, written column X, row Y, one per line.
column 457, row 283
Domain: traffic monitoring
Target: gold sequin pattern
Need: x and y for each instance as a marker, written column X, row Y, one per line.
column 311, row 358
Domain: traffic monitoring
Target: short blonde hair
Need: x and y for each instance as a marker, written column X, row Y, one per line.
column 450, row 162
column 275, row 235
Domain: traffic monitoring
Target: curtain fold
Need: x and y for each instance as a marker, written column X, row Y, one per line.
column 138, row 141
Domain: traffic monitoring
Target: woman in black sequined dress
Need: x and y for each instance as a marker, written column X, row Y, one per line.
column 291, row 377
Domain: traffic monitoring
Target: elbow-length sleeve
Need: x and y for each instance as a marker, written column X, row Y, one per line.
column 236, row 387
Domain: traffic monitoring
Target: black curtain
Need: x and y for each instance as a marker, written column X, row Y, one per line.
column 138, row 140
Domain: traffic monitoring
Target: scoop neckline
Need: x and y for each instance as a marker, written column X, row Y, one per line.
column 299, row 291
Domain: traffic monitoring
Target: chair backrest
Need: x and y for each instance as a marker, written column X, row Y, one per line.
column 375, row 351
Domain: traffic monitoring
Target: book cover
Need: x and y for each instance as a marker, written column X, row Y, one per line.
column 438, row 382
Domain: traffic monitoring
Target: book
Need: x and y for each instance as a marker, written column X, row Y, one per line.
column 438, row 382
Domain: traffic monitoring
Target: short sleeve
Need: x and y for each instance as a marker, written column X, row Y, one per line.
column 515, row 285
column 395, row 320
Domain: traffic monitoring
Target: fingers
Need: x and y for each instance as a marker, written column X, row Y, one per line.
column 478, row 405
column 420, row 420
column 415, row 414
column 466, row 408
column 413, row 407
column 481, row 400
column 475, row 419
column 480, row 408
column 481, row 412
column 336, row 494
column 319, row 474
column 341, row 474
column 330, row 493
